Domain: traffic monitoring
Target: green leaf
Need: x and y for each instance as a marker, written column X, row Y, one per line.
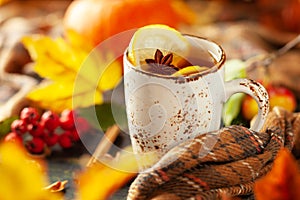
column 233, row 69
column 5, row 126
column 232, row 108
column 105, row 115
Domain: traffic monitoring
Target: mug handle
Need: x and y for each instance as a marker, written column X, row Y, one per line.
column 256, row 91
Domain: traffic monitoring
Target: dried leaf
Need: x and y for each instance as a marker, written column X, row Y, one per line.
column 282, row 182
column 77, row 77
column 57, row 186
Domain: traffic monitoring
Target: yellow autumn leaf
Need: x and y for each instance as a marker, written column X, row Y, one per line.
column 58, row 96
column 102, row 179
column 77, row 77
column 109, row 82
column 77, row 40
column 21, row 177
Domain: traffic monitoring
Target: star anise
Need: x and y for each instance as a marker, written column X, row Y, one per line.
column 161, row 64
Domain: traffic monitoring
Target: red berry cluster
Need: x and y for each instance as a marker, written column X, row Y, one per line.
column 47, row 130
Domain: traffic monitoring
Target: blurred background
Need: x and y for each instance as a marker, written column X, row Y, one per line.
column 244, row 28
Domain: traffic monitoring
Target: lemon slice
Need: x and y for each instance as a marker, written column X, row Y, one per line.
column 147, row 39
column 189, row 70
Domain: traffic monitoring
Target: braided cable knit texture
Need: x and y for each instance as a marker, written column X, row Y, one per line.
column 227, row 161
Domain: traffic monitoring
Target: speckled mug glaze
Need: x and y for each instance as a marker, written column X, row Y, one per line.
column 163, row 110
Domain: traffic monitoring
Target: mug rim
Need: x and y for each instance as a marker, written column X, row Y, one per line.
column 213, row 69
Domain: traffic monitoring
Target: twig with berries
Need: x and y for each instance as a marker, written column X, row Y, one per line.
column 40, row 133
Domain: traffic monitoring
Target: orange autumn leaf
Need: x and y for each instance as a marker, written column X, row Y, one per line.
column 282, row 182
column 102, row 179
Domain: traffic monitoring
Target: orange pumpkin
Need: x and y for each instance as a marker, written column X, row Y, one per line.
column 96, row 20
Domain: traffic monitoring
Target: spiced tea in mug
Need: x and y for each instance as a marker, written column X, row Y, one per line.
column 171, row 98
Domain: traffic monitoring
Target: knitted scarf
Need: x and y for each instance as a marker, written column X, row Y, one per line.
column 225, row 161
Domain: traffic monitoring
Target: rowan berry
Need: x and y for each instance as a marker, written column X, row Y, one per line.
column 50, row 120
column 82, row 125
column 35, row 129
column 65, row 140
column 29, row 115
column 35, row 146
column 67, row 119
column 14, row 138
column 18, row 126
column 50, row 138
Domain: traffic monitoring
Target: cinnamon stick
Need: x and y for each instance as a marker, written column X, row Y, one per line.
column 105, row 144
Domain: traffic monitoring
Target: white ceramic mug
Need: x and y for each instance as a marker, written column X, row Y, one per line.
column 163, row 110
